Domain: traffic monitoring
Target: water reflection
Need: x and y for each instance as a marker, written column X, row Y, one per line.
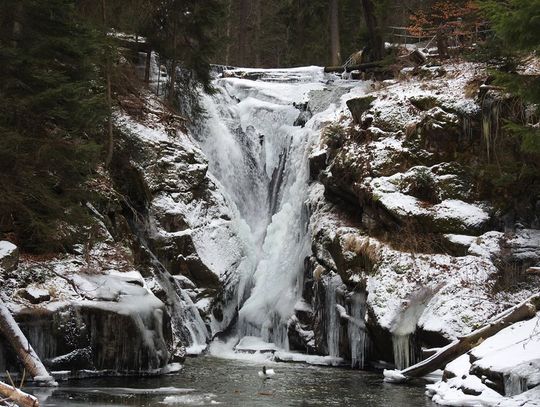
column 211, row 381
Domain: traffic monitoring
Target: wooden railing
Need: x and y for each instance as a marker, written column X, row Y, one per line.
column 456, row 34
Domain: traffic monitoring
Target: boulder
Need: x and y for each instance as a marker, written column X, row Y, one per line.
column 358, row 106
column 35, row 295
column 9, row 256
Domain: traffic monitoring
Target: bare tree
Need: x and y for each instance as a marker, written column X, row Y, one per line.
column 335, row 48
column 375, row 42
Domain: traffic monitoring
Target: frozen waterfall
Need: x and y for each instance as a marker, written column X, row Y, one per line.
column 260, row 158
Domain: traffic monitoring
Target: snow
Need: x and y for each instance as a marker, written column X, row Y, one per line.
column 514, row 353
column 462, row 240
column 393, row 376
column 459, row 367
column 449, row 394
column 6, row 248
column 37, row 293
column 254, row 344
column 225, row 350
column 466, row 214
column 309, row 359
column 191, row 400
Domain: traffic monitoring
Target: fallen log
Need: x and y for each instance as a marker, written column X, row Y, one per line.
column 17, row 396
column 525, row 310
column 359, row 67
column 28, row 357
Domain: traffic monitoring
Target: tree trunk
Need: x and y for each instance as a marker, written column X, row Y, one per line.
column 172, row 81
column 375, row 42
column 110, row 141
column 526, row 310
column 28, row 357
column 257, row 6
column 242, row 32
column 442, row 43
column 228, row 34
column 17, row 396
column 335, row 48
column 110, row 138
column 359, row 67
column 17, row 24
column 172, row 76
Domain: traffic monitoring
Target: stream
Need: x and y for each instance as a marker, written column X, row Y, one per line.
column 208, row 380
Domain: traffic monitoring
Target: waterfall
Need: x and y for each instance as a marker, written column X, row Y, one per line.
column 187, row 324
column 260, row 159
column 404, row 324
column 188, row 328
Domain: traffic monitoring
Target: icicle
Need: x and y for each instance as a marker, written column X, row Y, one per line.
column 356, row 330
column 490, row 122
column 332, row 316
column 514, row 384
column 403, row 351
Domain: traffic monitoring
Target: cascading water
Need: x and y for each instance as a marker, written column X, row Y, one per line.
column 187, row 323
column 404, row 324
column 261, row 160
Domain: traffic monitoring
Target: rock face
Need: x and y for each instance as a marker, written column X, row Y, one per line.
column 405, row 240
column 186, row 222
column 161, row 229
column 100, row 337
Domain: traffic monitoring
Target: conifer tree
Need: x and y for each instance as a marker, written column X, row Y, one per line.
column 51, row 111
column 183, row 31
column 517, row 27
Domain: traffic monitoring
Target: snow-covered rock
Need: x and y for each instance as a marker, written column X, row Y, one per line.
column 503, row 370
column 92, row 320
column 401, row 217
column 9, row 255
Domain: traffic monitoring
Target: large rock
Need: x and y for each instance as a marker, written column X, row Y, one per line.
column 9, row 256
column 99, row 336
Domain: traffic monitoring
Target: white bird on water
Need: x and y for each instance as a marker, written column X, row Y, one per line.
column 266, row 373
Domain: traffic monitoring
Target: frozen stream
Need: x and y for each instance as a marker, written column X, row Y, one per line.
column 210, row 381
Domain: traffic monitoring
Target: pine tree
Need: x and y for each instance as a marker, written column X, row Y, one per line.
column 517, row 29
column 51, row 112
column 183, row 31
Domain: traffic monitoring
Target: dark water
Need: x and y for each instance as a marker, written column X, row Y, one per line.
column 206, row 381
